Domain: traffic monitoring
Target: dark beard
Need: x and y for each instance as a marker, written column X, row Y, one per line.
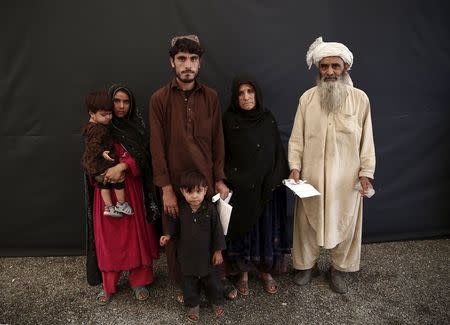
column 184, row 80
column 333, row 93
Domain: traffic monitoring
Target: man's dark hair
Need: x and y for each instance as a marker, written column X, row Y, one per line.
column 190, row 180
column 98, row 101
column 186, row 45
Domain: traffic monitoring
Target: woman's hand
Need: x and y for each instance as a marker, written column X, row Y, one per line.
column 217, row 258
column 116, row 173
column 222, row 189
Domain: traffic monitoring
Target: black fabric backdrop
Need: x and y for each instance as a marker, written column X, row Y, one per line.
column 54, row 52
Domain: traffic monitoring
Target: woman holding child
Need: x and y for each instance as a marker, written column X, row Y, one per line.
column 128, row 242
column 255, row 165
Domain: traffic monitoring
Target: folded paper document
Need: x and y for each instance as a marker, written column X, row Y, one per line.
column 301, row 188
column 224, row 209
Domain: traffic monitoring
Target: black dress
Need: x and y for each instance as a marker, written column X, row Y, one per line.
column 255, row 165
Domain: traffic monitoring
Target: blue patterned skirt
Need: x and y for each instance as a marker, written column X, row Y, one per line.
column 267, row 245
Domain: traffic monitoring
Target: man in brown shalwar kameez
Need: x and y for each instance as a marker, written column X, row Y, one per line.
column 331, row 146
column 185, row 134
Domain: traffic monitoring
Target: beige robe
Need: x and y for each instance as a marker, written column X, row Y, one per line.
column 332, row 151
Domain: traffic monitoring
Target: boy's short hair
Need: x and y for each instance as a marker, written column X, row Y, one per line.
column 186, row 45
column 98, row 101
column 192, row 179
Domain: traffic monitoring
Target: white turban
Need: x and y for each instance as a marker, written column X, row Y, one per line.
column 320, row 49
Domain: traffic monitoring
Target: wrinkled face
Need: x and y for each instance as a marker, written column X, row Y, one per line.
column 331, row 67
column 121, row 104
column 186, row 66
column 101, row 117
column 195, row 196
column 247, row 100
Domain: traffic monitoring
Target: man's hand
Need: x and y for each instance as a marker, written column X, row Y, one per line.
column 217, row 258
column 222, row 189
column 164, row 240
column 365, row 184
column 106, row 156
column 170, row 201
column 295, row 175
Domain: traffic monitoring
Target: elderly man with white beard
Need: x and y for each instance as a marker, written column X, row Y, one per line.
column 331, row 147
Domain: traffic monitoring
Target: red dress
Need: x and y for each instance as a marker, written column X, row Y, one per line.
column 129, row 242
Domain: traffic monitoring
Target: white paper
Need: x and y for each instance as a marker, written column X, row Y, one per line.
column 224, row 209
column 301, row 188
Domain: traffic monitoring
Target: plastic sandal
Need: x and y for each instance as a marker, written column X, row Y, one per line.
column 242, row 287
column 124, row 207
column 218, row 310
column 180, row 298
column 194, row 314
column 112, row 212
column 229, row 290
column 270, row 286
column 102, row 299
column 141, row 293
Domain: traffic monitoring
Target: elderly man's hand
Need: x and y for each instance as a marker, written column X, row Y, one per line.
column 365, row 184
column 295, row 175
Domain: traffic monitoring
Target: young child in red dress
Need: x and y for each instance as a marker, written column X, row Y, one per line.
column 99, row 152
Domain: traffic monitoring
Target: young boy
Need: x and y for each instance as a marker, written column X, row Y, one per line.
column 200, row 242
column 99, row 155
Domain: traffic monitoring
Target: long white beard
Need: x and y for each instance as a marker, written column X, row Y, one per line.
column 333, row 93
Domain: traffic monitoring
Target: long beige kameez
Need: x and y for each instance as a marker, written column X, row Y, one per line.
column 331, row 151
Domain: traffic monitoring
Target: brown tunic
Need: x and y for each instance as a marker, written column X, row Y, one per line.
column 97, row 139
column 186, row 134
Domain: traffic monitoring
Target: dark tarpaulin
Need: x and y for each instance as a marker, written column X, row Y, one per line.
column 54, row 53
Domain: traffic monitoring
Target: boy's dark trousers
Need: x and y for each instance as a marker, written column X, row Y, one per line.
column 192, row 285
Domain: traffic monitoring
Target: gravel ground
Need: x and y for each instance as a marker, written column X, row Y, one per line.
column 399, row 283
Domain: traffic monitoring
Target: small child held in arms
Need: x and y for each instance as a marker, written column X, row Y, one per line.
column 99, row 152
column 200, row 241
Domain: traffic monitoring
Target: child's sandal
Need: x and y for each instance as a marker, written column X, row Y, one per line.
column 194, row 314
column 218, row 310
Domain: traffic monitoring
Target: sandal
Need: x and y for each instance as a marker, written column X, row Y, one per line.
column 141, row 293
column 112, row 212
column 102, row 299
column 194, row 314
column 124, row 208
column 270, row 286
column 218, row 310
column 229, row 290
column 242, row 287
column 180, row 298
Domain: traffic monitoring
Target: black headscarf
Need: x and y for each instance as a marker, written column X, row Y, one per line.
column 131, row 133
column 255, row 162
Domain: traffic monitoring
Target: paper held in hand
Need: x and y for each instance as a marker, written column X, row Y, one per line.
column 224, row 210
column 301, row 188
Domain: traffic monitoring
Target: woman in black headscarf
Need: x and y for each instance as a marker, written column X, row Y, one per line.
column 255, row 165
column 128, row 243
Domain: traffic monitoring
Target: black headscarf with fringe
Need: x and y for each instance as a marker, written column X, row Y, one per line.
column 255, row 161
